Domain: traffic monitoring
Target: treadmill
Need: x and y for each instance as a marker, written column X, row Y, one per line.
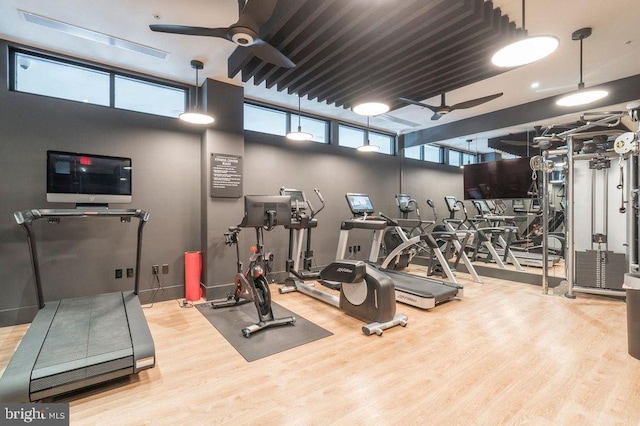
column 523, row 256
column 75, row 343
column 414, row 290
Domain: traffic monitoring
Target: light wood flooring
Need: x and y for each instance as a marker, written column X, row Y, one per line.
column 504, row 354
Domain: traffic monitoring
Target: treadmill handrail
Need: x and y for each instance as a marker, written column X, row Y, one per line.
column 35, row 214
column 27, row 217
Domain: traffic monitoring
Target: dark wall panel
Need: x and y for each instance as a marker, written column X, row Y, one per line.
column 79, row 257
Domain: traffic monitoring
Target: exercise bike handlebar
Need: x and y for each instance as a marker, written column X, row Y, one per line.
column 431, row 204
column 321, row 198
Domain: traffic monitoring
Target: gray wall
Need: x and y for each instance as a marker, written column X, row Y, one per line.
column 273, row 162
column 79, row 257
column 171, row 171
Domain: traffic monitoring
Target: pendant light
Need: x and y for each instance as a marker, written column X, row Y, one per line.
column 582, row 96
column 525, row 50
column 367, row 147
column 468, row 153
column 195, row 116
column 371, row 108
column 299, row 135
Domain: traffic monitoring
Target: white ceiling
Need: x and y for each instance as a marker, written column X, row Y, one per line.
column 611, row 53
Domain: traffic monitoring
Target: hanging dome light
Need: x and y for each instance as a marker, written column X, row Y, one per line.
column 582, row 96
column 196, row 116
column 371, row 108
column 367, row 147
column 525, row 50
column 299, row 135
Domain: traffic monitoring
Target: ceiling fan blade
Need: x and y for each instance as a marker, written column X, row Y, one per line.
column 410, row 101
column 475, row 102
column 268, row 53
column 186, row 30
column 255, row 13
column 436, row 116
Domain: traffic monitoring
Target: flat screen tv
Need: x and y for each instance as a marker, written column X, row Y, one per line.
column 88, row 178
column 502, row 179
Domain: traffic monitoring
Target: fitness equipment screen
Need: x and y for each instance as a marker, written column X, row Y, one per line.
column 298, row 200
column 256, row 208
column 88, row 178
column 452, row 203
column 403, row 201
column 502, row 179
column 359, row 204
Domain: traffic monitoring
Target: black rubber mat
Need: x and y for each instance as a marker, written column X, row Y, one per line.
column 230, row 322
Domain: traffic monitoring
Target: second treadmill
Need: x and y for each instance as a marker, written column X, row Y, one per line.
column 421, row 292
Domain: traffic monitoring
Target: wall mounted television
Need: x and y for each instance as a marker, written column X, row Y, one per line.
column 501, row 179
column 88, row 178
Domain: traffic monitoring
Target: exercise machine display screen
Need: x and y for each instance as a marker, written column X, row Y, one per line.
column 451, row 203
column 403, row 202
column 482, row 206
column 360, row 204
column 266, row 210
column 88, row 178
column 298, row 200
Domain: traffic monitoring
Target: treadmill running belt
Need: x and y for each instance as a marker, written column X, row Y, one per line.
column 83, row 328
column 420, row 286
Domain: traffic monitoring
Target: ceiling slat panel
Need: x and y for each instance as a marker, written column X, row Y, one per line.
column 346, row 51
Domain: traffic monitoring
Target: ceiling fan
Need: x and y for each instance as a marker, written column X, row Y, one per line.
column 244, row 33
column 439, row 111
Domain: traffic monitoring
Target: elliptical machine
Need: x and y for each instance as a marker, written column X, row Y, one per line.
column 262, row 212
column 302, row 222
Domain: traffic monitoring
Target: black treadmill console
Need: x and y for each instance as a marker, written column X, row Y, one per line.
column 359, row 204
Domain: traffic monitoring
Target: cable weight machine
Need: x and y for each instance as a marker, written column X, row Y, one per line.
column 596, row 271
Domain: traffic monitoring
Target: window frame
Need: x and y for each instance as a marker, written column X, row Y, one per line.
column 111, row 71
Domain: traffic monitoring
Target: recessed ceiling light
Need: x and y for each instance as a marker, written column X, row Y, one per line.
column 535, row 85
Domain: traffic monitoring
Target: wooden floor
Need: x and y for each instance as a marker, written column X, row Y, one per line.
column 504, row 354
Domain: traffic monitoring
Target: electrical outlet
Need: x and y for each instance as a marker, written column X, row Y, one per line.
column 118, row 273
column 155, row 269
column 165, row 268
column 129, row 272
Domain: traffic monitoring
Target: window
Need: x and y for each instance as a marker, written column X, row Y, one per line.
column 49, row 77
column 64, row 79
column 152, row 98
column 455, row 158
column 432, row 153
column 414, row 152
column 385, row 142
column 350, row 136
column 265, row 120
column 318, row 128
column 468, row 158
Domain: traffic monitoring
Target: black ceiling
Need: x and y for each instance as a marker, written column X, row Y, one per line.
column 349, row 51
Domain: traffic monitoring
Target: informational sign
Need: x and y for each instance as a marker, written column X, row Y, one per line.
column 226, row 176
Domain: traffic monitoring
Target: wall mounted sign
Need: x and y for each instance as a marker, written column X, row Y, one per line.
column 226, row 176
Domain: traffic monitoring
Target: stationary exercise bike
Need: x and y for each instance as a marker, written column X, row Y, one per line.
column 262, row 213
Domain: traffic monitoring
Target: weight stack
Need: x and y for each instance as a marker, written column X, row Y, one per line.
column 600, row 269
